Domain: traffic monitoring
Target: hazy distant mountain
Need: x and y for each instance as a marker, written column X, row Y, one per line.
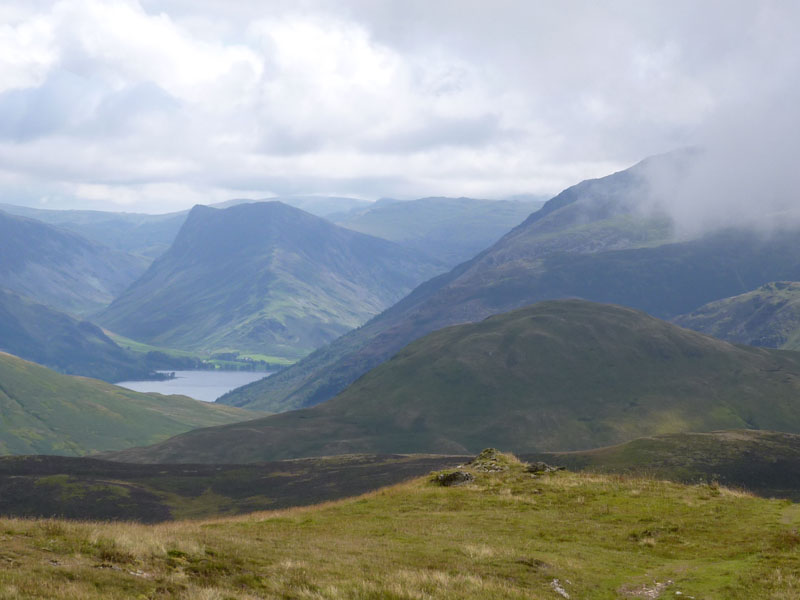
column 559, row 375
column 140, row 234
column 768, row 316
column 322, row 206
column 149, row 236
column 451, row 229
column 60, row 268
column 592, row 241
column 264, row 277
column 61, row 342
column 48, row 413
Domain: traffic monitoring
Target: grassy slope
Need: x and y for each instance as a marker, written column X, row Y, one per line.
column 54, row 339
column 507, row 535
column 452, row 229
column 60, row 268
column 43, row 412
column 768, row 316
column 263, row 278
column 559, row 375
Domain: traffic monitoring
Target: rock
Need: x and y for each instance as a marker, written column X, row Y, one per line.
column 450, row 478
column 490, row 460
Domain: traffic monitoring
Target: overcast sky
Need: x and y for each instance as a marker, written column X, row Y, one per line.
column 155, row 105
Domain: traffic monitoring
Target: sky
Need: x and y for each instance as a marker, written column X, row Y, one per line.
column 157, row 105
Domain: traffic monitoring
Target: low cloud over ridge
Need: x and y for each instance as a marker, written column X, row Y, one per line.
column 157, row 104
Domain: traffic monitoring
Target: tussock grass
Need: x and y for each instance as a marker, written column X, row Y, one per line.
column 508, row 534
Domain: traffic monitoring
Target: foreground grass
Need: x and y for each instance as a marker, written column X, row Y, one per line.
column 506, row 535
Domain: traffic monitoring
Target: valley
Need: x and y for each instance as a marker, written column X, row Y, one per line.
column 329, row 378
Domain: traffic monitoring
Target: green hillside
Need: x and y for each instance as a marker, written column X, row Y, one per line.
column 451, row 229
column 764, row 462
column 264, row 278
column 507, row 534
column 559, row 375
column 594, row 241
column 61, row 342
column 60, row 268
column 43, row 412
column 768, row 316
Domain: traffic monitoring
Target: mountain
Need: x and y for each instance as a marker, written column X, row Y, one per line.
column 451, row 229
column 594, row 241
column 768, row 316
column 508, row 534
column 60, row 268
column 265, row 278
column 44, row 412
column 558, row 375
column 56, row 340
column 143, row 235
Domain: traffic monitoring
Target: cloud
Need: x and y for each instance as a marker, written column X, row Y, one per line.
column 140, row 98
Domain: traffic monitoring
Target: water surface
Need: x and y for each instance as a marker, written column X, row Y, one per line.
column 200, row 385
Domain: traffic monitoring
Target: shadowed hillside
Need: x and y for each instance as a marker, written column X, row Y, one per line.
column 61, row 342
column 768, row 316
column 60, row 268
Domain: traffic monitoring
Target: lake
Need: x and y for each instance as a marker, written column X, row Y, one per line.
column 200, row 385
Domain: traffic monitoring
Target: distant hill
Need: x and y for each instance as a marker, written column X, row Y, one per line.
column 559, row 375
column 596, row 240
column 768, row 316
column 54, row 339
column 451, row 229
column 263, row 277
column 60, row 268
column 44, row 412
column 149, row 236
column 322, row 206
column 143, row 235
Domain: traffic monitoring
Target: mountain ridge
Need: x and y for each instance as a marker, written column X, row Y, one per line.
column 597, row 240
